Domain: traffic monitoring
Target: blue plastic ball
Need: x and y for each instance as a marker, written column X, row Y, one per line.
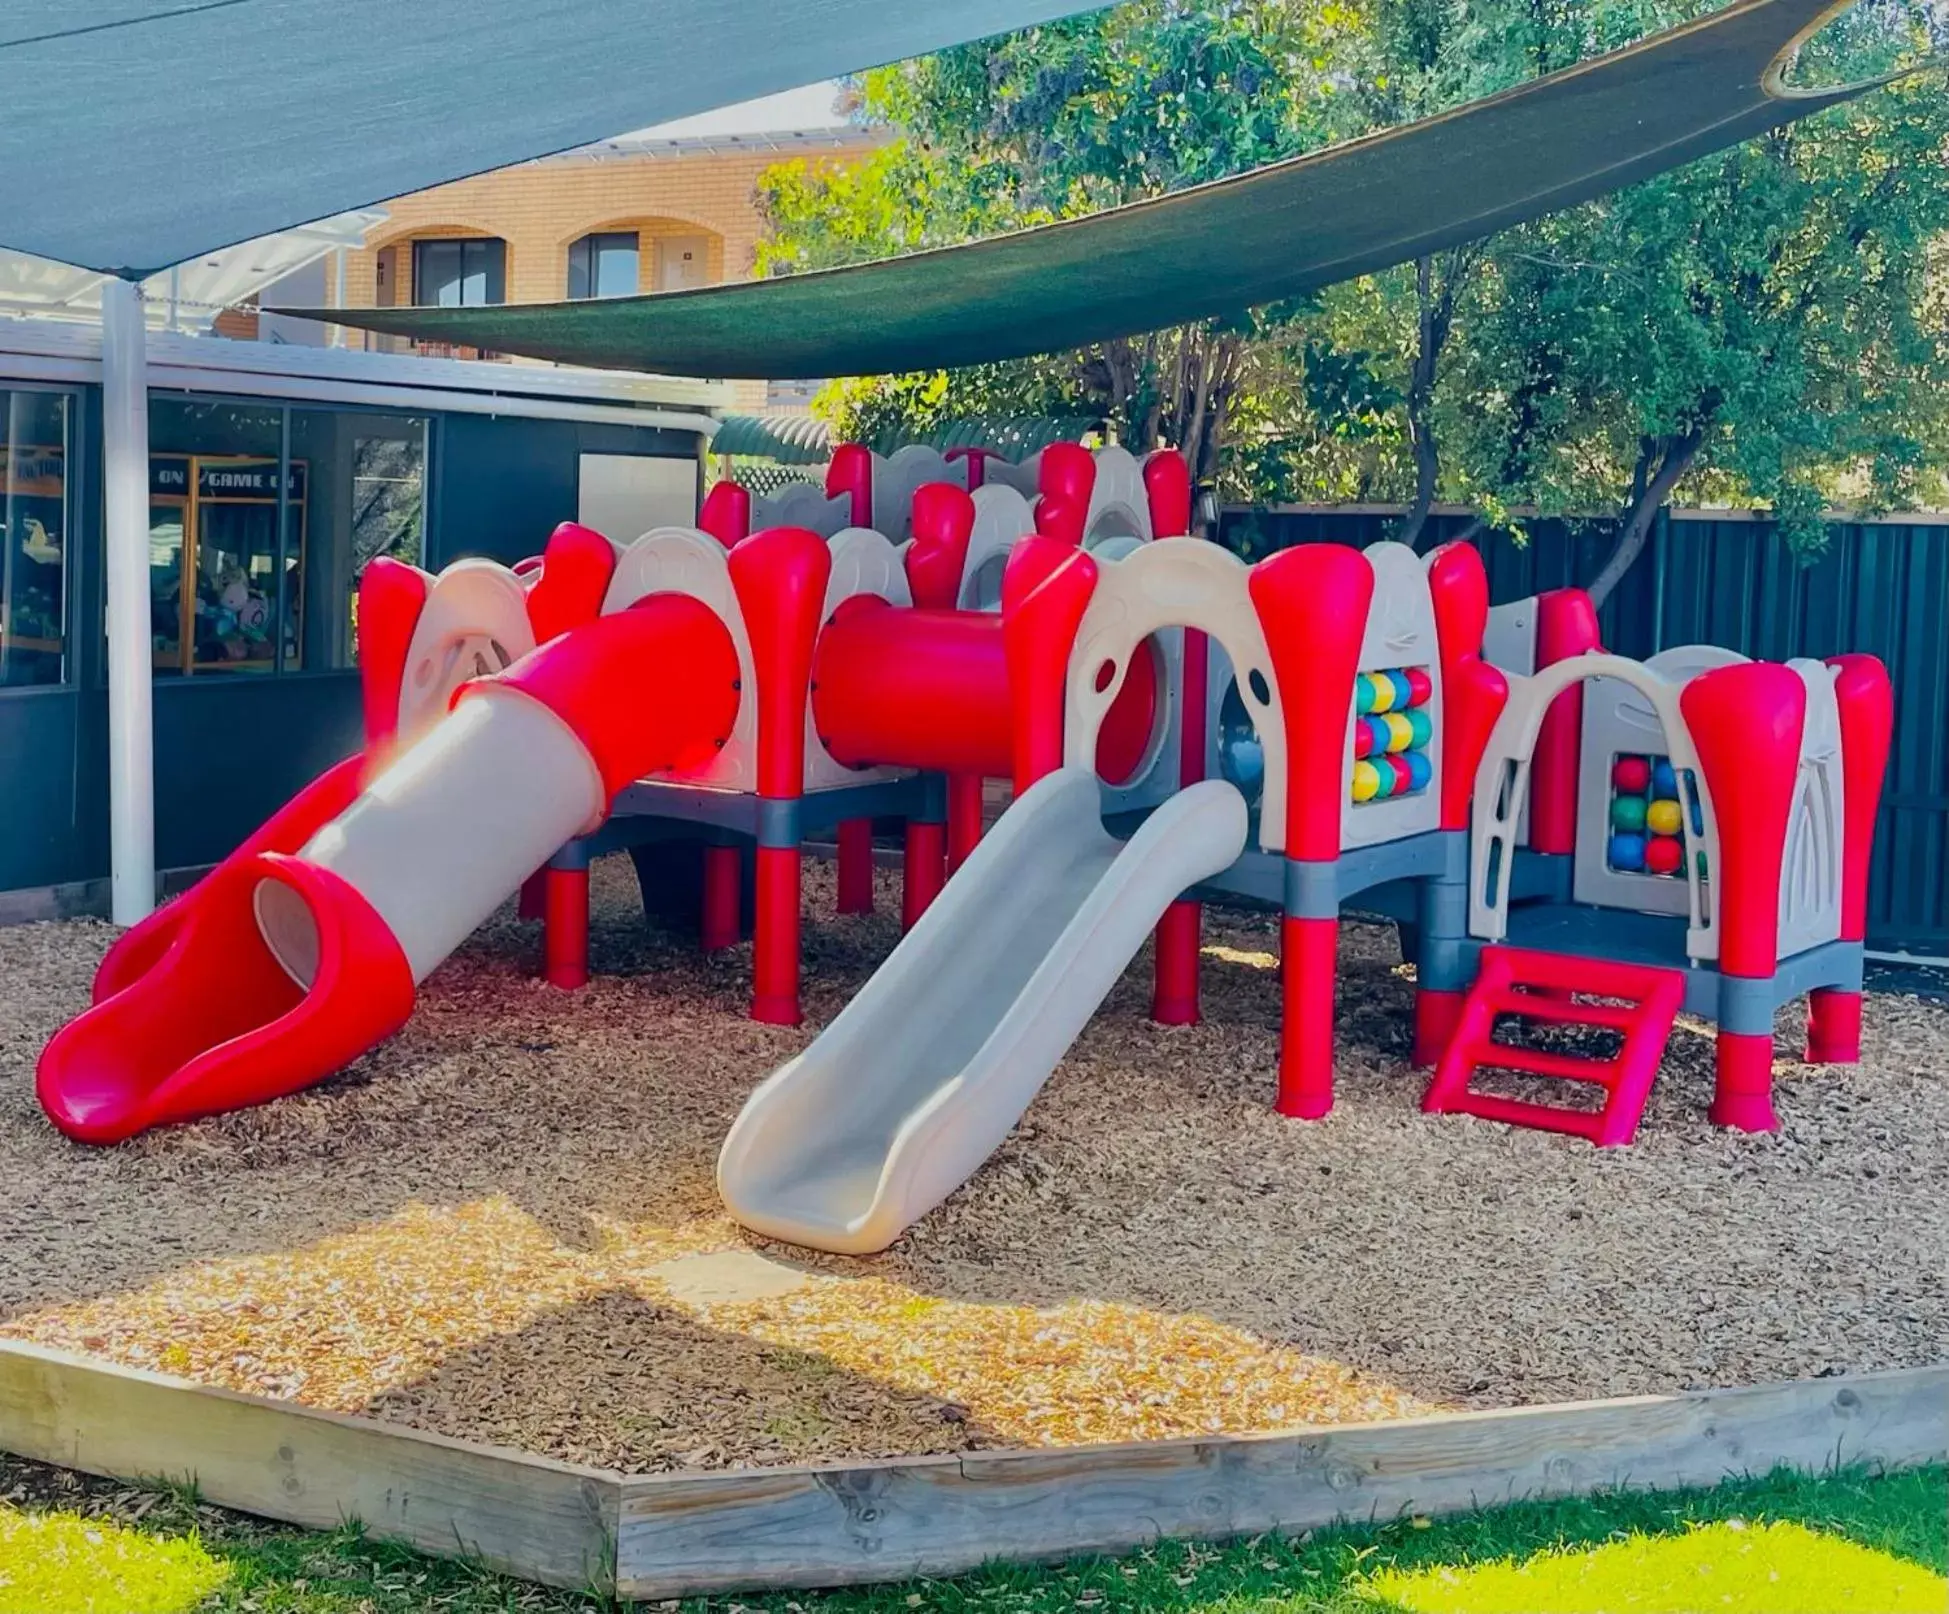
column 1403, row 690
column 1627, row 852
column 1664, row 782
column 1377, row 736
column 1420, row 770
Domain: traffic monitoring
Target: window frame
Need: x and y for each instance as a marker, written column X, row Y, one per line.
column 73, row 450
column 428, row 437
column 494, row 274
column 589, row 248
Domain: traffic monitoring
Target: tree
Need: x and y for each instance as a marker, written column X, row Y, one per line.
column 1063, row 120
column 1756, row 327
column 1763, row 325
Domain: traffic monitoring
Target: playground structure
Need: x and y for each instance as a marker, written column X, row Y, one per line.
column 1566, row 836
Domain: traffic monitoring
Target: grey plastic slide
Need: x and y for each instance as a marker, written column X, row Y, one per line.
column 921, row 1076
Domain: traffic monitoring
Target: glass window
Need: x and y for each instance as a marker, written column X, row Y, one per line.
column 459, row 274
column 34, row 461
column 366, row 497
column 603, row 266
column 220, row 578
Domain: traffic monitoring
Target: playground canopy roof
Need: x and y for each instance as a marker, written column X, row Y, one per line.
column 1210, row 251
column 800, row 440
column 139, row 133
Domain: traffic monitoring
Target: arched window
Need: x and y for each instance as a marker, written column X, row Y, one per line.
column 603, row 265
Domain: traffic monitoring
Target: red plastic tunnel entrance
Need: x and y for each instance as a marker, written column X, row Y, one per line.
column 893, row 687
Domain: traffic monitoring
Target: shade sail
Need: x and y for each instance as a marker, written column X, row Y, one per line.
column 139, row 133
column 1213, row 250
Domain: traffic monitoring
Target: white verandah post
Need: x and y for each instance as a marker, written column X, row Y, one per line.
column 125, row 509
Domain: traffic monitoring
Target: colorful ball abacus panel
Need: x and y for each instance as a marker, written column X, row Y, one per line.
column 1392, row 732
column 1647, row 817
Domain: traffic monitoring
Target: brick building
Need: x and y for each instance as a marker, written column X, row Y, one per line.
column 636, row 214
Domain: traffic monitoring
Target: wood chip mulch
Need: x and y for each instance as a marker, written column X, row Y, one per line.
column 502, row 1224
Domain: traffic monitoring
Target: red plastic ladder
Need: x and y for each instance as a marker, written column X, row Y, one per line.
column 1540, row 986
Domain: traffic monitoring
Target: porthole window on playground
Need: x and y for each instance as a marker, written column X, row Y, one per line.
column 260, row 519
column 35, row 456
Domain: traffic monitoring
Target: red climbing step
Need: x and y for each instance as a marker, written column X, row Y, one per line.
column 1543, row 987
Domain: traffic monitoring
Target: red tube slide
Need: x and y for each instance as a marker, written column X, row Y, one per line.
column 282, row 966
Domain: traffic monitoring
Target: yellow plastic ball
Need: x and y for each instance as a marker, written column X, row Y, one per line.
column 1663, row 818
column 1383, row 688
column 1400, row 732
column 1366, row 781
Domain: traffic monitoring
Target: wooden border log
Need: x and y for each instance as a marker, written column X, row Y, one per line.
column 749, row 1529
column 523, row 1515
column 686, row 1534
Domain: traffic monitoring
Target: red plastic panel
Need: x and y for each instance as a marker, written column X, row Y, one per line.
column 780, row 577
column 391, row 597
column 851, row 473
column 726, row 514
column 1746, row 721
column 1045, row 591
column 943, row 521
column 1867, row 706
column 1313, row 602
column 1167, row 488
column 576, row 567
column 1566, row 626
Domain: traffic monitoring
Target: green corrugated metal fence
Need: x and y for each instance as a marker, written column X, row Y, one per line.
column 1882, row 587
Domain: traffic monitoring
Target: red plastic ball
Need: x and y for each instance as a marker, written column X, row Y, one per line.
column 1363, row 740
column 1403, row 774
column 1631, row 775
column 1665, row 854
column 1420, row 686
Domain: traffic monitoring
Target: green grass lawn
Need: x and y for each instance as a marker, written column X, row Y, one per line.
column 1786, row 1544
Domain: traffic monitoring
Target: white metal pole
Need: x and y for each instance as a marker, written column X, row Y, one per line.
column 125, row 506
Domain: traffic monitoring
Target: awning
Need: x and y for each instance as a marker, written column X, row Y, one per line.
column 1214, row 250
column 139, row 133
column 189, row 296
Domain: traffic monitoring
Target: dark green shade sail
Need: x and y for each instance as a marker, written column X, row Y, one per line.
column 1214, row 250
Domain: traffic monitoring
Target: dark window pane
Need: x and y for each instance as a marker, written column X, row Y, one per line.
column 603, row 265
column 34, row 463
column 459, row 274
column 365, row 497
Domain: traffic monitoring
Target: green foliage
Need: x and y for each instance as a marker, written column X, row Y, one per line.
column 1767, row 326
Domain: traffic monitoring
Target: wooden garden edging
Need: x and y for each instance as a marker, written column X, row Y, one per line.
column 668, row 1535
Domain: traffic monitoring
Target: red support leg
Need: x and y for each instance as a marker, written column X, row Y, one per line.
column 1833, row 1027
column 721, row 882
column 775, row 961
column 534, row 896
column 1174, row 1000
column 565, row 928
column 1436, row 1014
column 963, row 817
column 1311, row 948
column 1744, row 1096
column 924, row 872
column 856, row 865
